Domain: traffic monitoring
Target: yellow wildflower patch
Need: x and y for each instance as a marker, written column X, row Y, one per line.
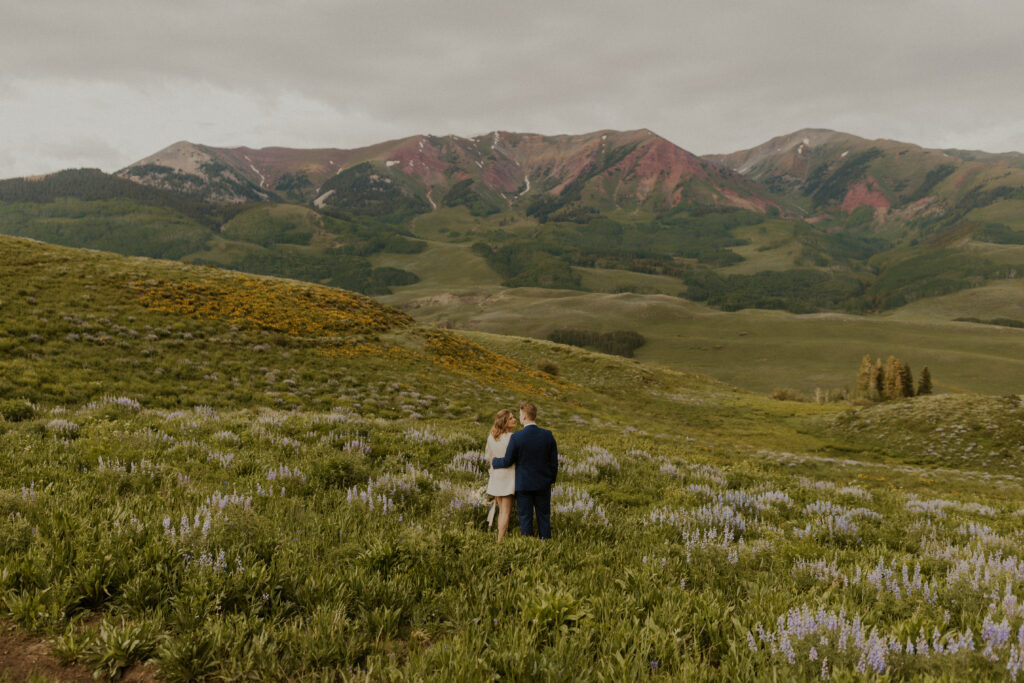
column 268, row 304
column 463, row 357
column 363, row 349
column 321, row 312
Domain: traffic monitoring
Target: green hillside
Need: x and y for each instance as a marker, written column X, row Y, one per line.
column 93, row 210
column 209, row 475
column 917, row 201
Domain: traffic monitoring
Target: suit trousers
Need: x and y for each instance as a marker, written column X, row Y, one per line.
column 527, row 502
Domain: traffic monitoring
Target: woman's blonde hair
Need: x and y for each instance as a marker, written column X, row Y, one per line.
column 501, row 423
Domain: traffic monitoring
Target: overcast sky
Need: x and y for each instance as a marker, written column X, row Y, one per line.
column 106, row 82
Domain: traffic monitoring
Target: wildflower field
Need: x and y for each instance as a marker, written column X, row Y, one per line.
column 211, row 476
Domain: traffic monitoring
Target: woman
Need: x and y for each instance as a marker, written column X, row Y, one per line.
column 502, row 484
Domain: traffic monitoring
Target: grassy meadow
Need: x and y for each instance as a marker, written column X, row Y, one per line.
column 211, row 476
column 756, row 349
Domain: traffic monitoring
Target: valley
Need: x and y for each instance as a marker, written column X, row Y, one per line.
column 763, row 268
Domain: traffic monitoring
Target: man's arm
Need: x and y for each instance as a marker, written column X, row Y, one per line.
column 511, row 455
column 553, row 459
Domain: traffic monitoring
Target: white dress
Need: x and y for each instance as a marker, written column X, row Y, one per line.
column 503, row 481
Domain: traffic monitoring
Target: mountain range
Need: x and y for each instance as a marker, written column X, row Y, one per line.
column 810, row 173
column 813, row 220
column 495, row 172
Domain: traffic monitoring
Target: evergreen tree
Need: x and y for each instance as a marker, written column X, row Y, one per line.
column 924, row 384
column 877, row 381
column 892, row 371
column 906, row 381
column 864, row 376
column 899, row 385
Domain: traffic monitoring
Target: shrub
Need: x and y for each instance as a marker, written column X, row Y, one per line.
column 63, row 429
column 548, row 366
column 17, row 410
column 116, row 648
column 340, row 471
column 787, row 394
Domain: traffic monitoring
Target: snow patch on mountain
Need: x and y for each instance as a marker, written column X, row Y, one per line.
column 319, row 201
column 263, row 180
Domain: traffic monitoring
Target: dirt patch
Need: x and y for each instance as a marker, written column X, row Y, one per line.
column 139, row 674
column 866, row 193
column 23, row 655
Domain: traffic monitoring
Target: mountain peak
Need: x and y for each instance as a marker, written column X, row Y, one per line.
column 183, row 155
column 836, row 174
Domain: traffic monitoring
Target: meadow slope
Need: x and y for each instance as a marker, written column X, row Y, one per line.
column 206, row 475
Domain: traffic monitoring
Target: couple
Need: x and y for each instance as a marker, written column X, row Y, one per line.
column 525, row 464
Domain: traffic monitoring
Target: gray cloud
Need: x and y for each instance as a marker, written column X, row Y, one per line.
column 111, row 81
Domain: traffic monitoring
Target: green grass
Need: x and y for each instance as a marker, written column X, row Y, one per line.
column 1008, row 212
column 275, row 224
column 234, row 477
column 440, row 224
column 757, row 350
column 773, row 248
column 1003, row 254
column 611, row 280
column 998, row 299
column 442, row 267
column 225, row 252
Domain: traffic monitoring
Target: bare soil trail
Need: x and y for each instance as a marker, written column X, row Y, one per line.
column 23, row 656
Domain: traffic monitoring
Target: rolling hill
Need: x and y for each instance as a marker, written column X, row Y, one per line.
column 211, row 475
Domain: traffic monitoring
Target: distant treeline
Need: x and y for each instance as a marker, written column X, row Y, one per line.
column 330, row 267
column 797, row 291
column 620, row 343
column 1002, row 322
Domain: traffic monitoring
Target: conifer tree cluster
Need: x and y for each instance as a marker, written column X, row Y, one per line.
column 890, row 380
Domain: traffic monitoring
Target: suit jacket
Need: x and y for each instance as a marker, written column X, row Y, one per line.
column 535, row 454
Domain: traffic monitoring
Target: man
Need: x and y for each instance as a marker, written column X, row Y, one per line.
column 535, row 454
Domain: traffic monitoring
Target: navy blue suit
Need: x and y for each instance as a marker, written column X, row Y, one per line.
column 535, row 454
